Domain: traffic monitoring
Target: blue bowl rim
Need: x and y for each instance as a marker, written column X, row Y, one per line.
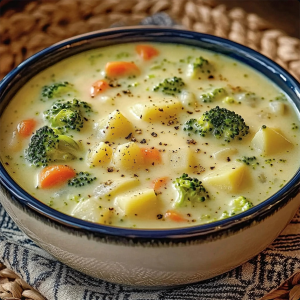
column 191, row 231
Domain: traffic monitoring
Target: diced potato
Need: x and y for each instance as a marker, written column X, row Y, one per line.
column 116, row 187
column 270, row 141
column 231, row 177
column 91, row 210
column 128, row 156
column 142, row 203
column 115, row 126
column 100, row 155
column 277, row 107
column 181, row 160
column 154, row 111
column 224, row 153
column 188, row 99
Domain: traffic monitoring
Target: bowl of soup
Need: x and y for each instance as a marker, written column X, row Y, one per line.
column 150, row 156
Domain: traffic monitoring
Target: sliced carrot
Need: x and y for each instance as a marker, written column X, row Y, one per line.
column 151, row 155
column 99, row 87
column 121, row 68
column 26, row 127
column 55, row 176
column 158, row 183
column 174, row 216
column 146, row 52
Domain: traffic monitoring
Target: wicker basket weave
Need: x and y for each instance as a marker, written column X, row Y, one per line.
column 42, row 23
column 38, row 24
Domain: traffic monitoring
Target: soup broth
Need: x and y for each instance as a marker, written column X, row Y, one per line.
column 150, row 136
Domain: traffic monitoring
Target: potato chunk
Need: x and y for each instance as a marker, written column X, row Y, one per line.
column 223, row 154
column 188, row 99
column 115, row 125
column 154, row 111
column 232, row 177
column 100, row 155
column 270, row 141
column 181, row 160
column 277, row 107
column 90, row 210
column 142, row 203
column 128, row 156
column 112, row 188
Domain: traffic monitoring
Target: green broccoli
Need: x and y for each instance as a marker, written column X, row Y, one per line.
column 198, row 66
column 215, row 94
column 56, row 90
column 81, row 179
column 220, row 122
column 47, row 146
column 65, row 116
column 189, row 190
column 250, row 161
column 238, row 205
column 170, row 86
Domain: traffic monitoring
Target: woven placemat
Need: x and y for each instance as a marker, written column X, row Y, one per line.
column 38, row 24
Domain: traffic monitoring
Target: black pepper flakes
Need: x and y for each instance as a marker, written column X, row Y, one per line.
column 128, row 136
column 191, row 141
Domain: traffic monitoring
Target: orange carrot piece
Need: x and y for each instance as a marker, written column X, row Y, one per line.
column 25, row 128
column 99, row 87
column 158, row 183
column 174, row 216
column 146, row 52
column 121, row 68
column 151, row 155
column 55, row 176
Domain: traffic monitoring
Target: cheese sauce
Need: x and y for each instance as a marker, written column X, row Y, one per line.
column 133, row 144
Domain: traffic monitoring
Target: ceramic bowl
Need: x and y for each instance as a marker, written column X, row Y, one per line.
column 157, row 258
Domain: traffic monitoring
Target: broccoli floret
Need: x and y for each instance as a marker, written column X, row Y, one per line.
column 170, row 86
column 199, row 66
column 47, row 146
column 220, row 122
column 56, row 90
column 190, row 125
column 81, row 179
column 250, row 161
column 238, row 205
column 200, row 63
column 189, row 190
column 213, row 95
column 65, row 116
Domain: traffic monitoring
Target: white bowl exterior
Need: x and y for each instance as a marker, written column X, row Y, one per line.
column 148, row 265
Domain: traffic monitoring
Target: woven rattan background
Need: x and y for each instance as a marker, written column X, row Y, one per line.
column 39, row 24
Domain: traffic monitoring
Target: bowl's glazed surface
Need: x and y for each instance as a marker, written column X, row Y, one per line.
column 150, row 257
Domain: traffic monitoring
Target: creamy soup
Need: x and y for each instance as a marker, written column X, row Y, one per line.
column 150, row 136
